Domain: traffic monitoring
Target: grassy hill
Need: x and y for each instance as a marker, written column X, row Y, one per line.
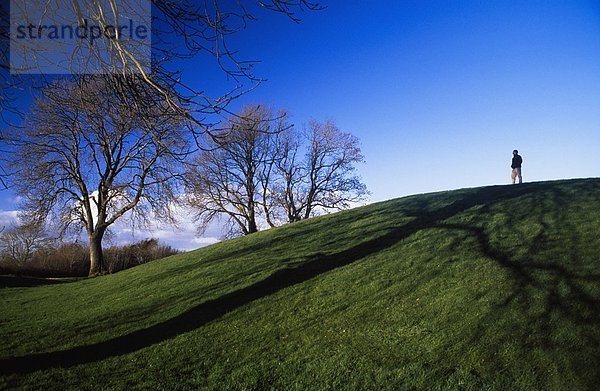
column 488, row 288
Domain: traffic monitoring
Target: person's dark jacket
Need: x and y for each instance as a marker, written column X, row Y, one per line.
column 517, row 160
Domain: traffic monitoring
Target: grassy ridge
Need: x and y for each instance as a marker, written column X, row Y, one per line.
column 488, row 288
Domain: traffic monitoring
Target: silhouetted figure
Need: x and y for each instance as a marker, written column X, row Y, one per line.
column 517, row 160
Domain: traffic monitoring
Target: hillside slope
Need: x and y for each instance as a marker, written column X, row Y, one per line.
column 487, row 288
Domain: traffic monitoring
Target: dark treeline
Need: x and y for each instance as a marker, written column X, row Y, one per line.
column 72, row 259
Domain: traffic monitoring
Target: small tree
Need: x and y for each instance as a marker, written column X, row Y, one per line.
column 19, row 244
column 231, row 174
column 262, row 171
column 325, row 179
column 88, row 156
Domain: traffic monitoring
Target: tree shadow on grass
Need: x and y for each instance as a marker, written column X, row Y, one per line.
column 209, row 311
column 525, row 277
column 545, row 290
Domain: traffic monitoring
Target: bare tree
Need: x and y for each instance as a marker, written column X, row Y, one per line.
column 20, row 243
column 325, row 179
column 231, row 176
column 181, row 29
column 263, row 171
column 288, row 187
column 88, row 156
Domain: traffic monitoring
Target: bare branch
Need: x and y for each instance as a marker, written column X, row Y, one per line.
column 89, row 156
column 253, row 172
column 231, row 176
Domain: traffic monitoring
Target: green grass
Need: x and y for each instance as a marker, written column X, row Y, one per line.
column 494, row 288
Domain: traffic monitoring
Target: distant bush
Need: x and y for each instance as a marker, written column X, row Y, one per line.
column 72, row 259
column 119, row 258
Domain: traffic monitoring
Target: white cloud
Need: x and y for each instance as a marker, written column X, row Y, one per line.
column 8, row 218
column 205, row 240
column 183, row 237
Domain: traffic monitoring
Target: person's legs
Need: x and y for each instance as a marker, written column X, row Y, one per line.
column 519, row 175
column 513, row 175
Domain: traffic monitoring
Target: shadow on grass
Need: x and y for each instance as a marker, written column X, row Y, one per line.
column 563, row 297
column 317, row 265
column 525, row 276
column 27, row 282
column 547, row 289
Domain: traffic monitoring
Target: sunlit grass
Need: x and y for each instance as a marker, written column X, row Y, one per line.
column 490, row 288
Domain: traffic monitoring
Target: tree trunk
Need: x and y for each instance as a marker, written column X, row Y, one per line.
column 252, row 228
column 96, row 258
column 308, row 211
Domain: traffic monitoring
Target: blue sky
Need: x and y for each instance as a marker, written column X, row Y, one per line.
column 439, row 92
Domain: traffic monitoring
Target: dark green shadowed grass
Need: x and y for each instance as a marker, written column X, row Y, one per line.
column 490, row 288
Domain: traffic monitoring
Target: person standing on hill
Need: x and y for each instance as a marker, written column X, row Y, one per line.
column 517, row 160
